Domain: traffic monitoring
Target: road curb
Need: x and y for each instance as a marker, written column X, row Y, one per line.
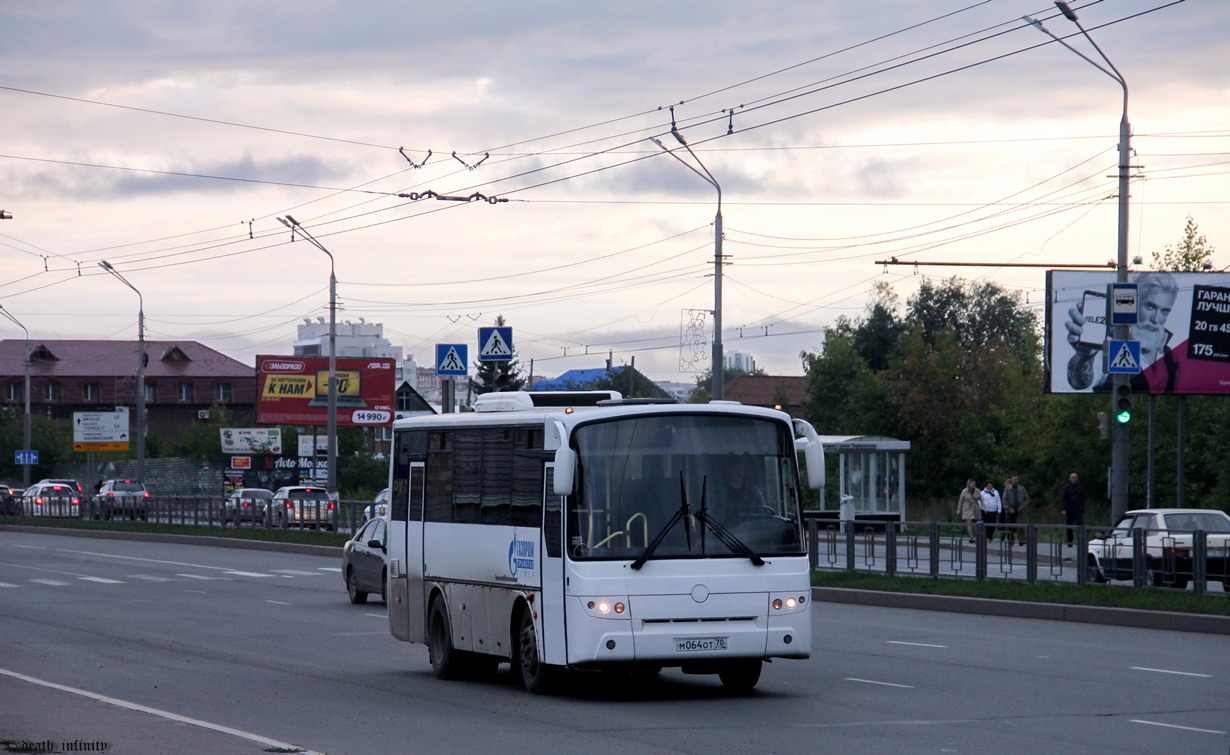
column 1123, row 617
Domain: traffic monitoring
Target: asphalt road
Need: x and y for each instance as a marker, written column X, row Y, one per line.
column 217, row 650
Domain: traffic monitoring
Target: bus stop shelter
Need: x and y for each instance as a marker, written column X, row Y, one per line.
column 870, row 478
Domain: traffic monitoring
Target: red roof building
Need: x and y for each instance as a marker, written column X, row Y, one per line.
column 182, row 380
column 786, row 392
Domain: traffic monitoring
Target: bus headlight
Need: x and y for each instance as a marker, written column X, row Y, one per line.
column 787, row 603
column 606, row 608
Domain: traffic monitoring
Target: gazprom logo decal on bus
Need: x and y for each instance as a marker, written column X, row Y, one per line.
column 520, row 555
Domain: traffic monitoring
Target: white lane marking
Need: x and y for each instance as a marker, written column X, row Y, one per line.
column 277, row 602
column 330, row 568
column 146, row 560
column 198, row 592
column 103, row 581
column 296, row 572
column 916, row 644
column 1176, row 726
column 50, row 582
column 32, row 547
column 270, row 743
column 248, row 574
column 6, row 584
column 199, row 576
column 1168, row 671
column 882, row 684
column 378, row 615
column 148, row 578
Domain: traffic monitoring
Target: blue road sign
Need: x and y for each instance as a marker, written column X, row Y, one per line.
column 495, row 344
column 1123, row 357
column 451, row 358
column 1123, row 303
column 25, row 457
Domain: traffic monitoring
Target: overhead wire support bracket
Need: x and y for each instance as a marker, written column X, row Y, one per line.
column 413, row 164
column 475, row 165
column 1065, row 266
column 429, row 194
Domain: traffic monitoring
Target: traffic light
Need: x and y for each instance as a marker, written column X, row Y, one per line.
column 1123, row 403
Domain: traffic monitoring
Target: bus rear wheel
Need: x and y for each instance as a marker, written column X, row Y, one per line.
column 741, row 675
column 538, row 677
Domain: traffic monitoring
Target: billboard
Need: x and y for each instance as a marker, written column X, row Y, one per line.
column 242, row 440
column 1182, row 326
column 295, row 390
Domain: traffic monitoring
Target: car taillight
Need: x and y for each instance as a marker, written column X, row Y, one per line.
column 290, row 505
column 330, row 505
column 146, row 494
column 38, row 501
column 76, row 501
column 111, row 495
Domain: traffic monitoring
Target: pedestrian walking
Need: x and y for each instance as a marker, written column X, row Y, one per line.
column 969, row 506
column 1072, row 504
column 992, row 507
column 1015, row 499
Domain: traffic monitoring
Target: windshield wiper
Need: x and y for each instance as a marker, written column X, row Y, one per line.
column 727, row 537
column 683, row 511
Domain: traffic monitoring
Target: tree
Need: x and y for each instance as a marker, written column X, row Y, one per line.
column 976, row 314
column 1191, row 255
column 491, row 376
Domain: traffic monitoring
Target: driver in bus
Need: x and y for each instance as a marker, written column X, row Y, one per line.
column 746, row 499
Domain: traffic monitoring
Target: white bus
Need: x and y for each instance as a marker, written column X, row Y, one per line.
column 563, row 531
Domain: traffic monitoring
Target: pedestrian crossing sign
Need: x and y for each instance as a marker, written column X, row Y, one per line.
column 451, row 358
column 495, row 344
column 1123, row 357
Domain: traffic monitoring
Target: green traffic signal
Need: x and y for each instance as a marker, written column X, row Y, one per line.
column 1123, row 403
column 1124, row 416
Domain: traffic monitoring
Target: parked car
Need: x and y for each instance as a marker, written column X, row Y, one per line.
column 246, row 505
column 121, row 498
column 10, row 502
column 363, row 565
column 1167, row 543
column 51, row 499
column 303, row 506
column 378, row 507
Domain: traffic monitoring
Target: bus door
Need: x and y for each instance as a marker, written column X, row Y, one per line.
column 553, row 589
column 407, row 612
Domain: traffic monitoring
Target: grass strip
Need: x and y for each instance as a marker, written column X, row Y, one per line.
column 1111, row 596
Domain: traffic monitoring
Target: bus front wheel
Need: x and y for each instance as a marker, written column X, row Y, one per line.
column 741, row 675
column 538, row 677
column 444, row 660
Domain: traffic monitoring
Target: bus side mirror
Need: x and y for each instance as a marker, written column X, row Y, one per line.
column 565, row 470
column 813, row 453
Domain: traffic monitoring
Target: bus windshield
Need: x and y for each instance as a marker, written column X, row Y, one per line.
column 709, row 472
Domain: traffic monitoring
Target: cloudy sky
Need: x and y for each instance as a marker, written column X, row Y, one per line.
column 168, row 137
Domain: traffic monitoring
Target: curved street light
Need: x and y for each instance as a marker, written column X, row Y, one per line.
column 1119, row 431
column 25, row 420
column 140, row 367
column 331, row 426
column 718, row 367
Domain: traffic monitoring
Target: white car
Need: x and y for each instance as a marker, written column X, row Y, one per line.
column 303, row 506
column 1167, row 544
column 378, row 507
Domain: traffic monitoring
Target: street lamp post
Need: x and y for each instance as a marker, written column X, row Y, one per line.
column 140, row 367
column 25, row 420
column 1119, row 430
column 331, row 457
column 719, row 367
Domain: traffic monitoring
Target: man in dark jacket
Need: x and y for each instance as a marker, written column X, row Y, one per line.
column 1072, row 504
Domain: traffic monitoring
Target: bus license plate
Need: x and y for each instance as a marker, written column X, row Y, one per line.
column 695, row 644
